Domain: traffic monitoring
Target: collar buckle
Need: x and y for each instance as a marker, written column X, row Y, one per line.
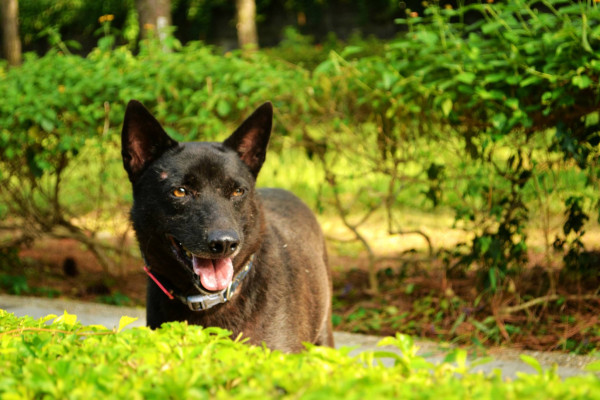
column 205, row 301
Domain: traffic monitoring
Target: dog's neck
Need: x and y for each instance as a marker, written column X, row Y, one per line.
column 205, row 300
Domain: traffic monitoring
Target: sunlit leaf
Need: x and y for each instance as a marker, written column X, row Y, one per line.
column 532, row 362
column 125, row 321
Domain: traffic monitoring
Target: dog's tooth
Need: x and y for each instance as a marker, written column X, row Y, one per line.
column 189, row 254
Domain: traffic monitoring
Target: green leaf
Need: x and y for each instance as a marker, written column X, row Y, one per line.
column 456, row 324
column 495, row 77
column 480, row 326
column 466, row 77
column 66, row 318
column 223, row 108
column 47, row 125
column 513, row 79
column 124, row 321
column 484, row 243
column 512, row 103
column 481, row 361
column 403, row 342
column 499, row 121
column 530, row 81
column 493, row 278
column 491, row 27
column 594, row 366
column 427, row 37
column 97, row 327
column 163, row 347
column 581, row 81
column 336, row 319
column 532, row 362
column 447, row 107
column 351, row 50
column 48, row 317
column 389, row 79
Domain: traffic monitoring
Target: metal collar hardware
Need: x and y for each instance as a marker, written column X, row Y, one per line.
column 206, row 300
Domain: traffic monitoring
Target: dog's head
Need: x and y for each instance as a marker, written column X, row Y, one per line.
column 194, row 208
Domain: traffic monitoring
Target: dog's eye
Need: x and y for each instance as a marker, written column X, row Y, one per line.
column 238, row 192
column 179, row 192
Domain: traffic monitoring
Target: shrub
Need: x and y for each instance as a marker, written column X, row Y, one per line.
column 67, row 360
column 475, row 109
column 509, row 87
column 60, row 124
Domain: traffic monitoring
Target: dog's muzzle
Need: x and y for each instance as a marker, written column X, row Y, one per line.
column 205, row 300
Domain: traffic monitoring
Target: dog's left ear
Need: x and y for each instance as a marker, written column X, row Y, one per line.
column 250, row 140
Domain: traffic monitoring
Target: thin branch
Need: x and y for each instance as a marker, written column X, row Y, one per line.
column 545, row 299
column 93, row 245
column 22, row 240
column 330, row 178
column 417, row 232
column 23, row 330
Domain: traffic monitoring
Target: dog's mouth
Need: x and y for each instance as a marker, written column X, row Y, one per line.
column 213, row 274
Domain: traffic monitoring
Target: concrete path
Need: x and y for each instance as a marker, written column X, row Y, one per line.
column 92, row 313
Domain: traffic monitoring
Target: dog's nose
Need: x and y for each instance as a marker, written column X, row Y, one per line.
column 223, row 242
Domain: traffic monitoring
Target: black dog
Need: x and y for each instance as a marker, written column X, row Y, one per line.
column 217, row 251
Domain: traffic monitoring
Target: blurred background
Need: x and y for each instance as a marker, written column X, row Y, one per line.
column 449, row 149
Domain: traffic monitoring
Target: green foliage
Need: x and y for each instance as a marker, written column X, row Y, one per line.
column 301, row 50
column 60, row 122
column 56, row 357
column 499, row 85
column 49, row 20
column 495, row 119
column 17, row 284
column 578, row 262
column 117, row 299
column 14, row 284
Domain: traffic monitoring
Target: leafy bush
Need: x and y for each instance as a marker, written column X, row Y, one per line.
column 67, row 360
column 507, row 87
column 60, row 123
column 490, row 110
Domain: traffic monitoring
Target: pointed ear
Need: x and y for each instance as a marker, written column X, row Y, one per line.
column 250, row 140
column 143, row 140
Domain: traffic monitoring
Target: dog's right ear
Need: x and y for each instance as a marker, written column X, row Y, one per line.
column 143, row 140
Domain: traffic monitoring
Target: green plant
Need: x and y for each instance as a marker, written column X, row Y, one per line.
column 14, row 284
column 56, row 357
column 496, row 77
column 578, row 262
column 487, row 111
column 59, row 136
column 117, row 299
column 17, row 285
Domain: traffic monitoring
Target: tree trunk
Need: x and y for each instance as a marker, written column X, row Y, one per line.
column 11, row 43
column 155, row 17
column 246, row 23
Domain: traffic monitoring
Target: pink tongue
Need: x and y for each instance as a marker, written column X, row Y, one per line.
column 214, row 274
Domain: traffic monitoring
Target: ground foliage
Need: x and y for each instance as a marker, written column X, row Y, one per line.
column 427, row 304
column 57, row 357
column 415, row 299
column 495, row 120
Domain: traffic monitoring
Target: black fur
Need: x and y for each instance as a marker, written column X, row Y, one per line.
column 200, row 197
